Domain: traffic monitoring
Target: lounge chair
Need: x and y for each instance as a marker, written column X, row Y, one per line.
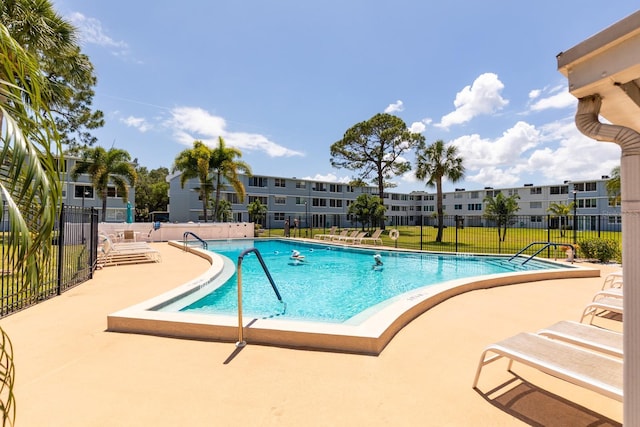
column 343, row 233
column 112, row 255
column 594, row 371
column 588, row 336
column 609, row 292
column 601, row 305
column 327, row 236
column 613, row 280
column 356, row 239
column 344, row 236
column 374, row 238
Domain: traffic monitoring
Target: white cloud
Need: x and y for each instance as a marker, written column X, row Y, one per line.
column 534, row 93
column 328, row 178
column 559, row 100
column 395, row 107
column 191, row 123
column 137, row 122
column 495, row 177
column 421, row 126
column 482, row 97
column 481, row 153
column 91, row 31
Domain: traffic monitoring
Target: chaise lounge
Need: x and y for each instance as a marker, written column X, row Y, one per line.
column 594, row 371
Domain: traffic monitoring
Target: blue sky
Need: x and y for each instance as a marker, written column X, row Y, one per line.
column 283, row 80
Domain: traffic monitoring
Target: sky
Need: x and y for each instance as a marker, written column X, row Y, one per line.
column 282, row 80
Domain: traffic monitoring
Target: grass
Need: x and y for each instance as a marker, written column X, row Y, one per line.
column 473, row 239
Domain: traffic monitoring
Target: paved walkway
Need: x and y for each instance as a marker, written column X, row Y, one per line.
column 71, row 372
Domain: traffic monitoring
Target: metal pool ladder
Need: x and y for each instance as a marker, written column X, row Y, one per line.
column 190, row 233
column 546, row 245
column 241, row 342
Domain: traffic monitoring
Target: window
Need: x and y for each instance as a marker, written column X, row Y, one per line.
column 419, row 208
column 80, row 189
column 280, row 182
column 300, row 200
column 429, row 197
column 258, row 181
column 475, row 195
column 319, row 186
column 615, row 220
column 536, row 190
column 587, row 203
column 278, row 216
column 319, row 202
column 279, row 200
column 113, row 192
column 513, row 191
column 335, row 203
column 590, row 186
column 474, row 206
column 262, row 199
column 395, row 197
column 301, row 184
column 457, row 207
column 536, row 218
column 335, row 188
column 614, row 203
column 493, row 193
column 232, row 198
column 458, row 196
column 559, row 189
column 535, row 205
column 395, row 208
column 429, row 208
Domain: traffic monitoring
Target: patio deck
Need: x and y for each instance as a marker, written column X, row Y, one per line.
column 71, row 372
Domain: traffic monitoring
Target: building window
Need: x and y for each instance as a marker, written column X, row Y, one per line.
column 590, row 186
column 587, row 203
column 232, row 198
column 262, row 199
column 280, row 200
column 395, row 208
column 300, row 200
column 429, row 208
column 335, row 188
column 458, row 196
column 319, row 186
column 535, row 205
column 492, row 193
column 319, row 202
column 258, row 181
column 278, row 216
column 536, row 218
column 395, row 196
column 301, row 184
column 513, row 191
column 280, row 182
column 474, row 207
column 559, row 189
column 335, row 203
column 615, row 220
column 419, row 208
column 80, row 189
column 536, row 190
column 113, row 193
column 474, row 195
column 457, row 207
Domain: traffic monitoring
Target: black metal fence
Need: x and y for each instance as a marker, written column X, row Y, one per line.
column 72, row 261
column 461, row 233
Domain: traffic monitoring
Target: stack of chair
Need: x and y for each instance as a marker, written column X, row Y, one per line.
column 110, row 253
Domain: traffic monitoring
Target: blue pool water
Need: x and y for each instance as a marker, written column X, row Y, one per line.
column 334, row 284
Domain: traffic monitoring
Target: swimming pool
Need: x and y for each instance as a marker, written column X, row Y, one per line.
column 366, row 332
column 326, row 283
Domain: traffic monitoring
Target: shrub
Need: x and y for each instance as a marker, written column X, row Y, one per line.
column 601, row 249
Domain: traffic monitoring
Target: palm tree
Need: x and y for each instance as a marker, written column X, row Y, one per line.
column 613, row 187
column 434, row 163
column 225, row 165
column 562, row 211
column 257, row 212
column 104, row 167
column 29, row 182
column 196, row 163
column 502, row 210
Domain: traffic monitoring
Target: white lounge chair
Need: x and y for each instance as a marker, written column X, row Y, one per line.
column 345, row 236
column 327, row 236
column 374, row 238
column 601, row 305
column 111, row 255
column 594, row 371
column 588, row 336
column 613, row 280
column 337, row 237
column 355, row 239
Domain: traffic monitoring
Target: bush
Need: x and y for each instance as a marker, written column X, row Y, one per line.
column 601, row 249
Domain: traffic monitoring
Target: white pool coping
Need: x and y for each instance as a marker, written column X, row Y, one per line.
column 370, row 336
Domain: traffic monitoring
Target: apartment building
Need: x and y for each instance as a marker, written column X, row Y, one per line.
column 323, row 203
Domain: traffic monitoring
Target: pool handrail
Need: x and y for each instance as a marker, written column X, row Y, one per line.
column 241, row 342
column 546, row 245
column 187, row 233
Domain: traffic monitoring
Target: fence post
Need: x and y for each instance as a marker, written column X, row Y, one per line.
column 421, row 226
column 455, row 219
column 60, row 241
column 549, row 233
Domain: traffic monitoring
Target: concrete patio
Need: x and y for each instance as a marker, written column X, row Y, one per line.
column 71, row 372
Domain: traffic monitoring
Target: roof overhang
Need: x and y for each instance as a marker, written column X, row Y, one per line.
column 608, row 64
